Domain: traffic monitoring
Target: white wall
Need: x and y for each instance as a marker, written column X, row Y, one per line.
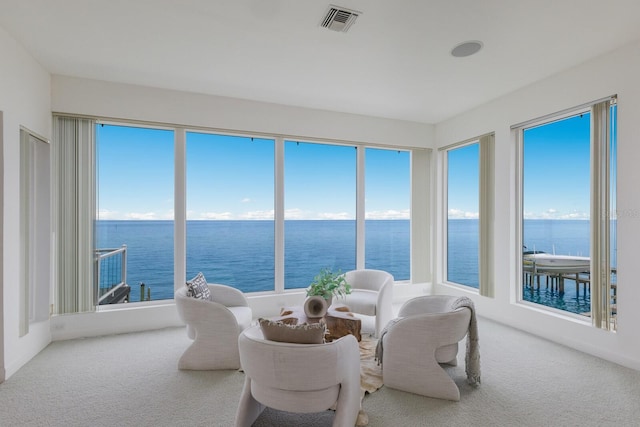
column 25, row 95
column 615, row 73
column 113, row 100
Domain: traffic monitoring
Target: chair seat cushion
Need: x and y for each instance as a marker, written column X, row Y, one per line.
column 243, row 316
column 362, row 301
column 299, row 334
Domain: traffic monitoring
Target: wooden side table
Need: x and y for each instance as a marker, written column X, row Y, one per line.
column 340, row 321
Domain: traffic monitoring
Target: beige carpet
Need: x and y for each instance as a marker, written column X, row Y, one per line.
column 132, row 380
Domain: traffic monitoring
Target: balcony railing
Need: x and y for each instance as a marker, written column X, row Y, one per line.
column 111, row 276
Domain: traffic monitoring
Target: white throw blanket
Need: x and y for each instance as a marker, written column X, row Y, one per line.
column 472, row 356
column 379, row 349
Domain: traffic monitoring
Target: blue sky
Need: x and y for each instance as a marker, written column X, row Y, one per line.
column 231, row 178
column 556, row 173
column 557, row 170
column 463, row 194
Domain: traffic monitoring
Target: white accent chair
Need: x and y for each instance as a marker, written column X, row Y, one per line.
column 425, row 334
column 214, row 326
column 371, row 297
column 300, row 378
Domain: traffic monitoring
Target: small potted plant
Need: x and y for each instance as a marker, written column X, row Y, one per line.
column 321, row 291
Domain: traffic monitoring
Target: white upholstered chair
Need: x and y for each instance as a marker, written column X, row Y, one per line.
column 371, row 297
column 214, row 326
column 300, row 378
column 425, row 334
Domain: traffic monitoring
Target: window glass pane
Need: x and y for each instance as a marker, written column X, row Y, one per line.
column 320, row 198
column 462, row 215
column 135, row 209
column 387, row 202
column 556, row 205
column 230, row 219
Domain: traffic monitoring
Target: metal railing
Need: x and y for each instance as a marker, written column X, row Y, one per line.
column 111, row 275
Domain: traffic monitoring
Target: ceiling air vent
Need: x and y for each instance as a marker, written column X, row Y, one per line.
column 339, row 18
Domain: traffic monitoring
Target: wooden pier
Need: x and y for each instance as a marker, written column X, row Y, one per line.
column 556, row 280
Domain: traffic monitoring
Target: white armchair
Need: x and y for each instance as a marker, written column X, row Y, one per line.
column 300, row 378
column 214, row 325
column 371, row 297
column 426, row 334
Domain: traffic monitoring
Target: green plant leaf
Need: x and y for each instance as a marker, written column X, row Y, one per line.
column 327, row 284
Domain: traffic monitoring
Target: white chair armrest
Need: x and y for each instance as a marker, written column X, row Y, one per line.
column 197, row 312
column 426, row 304
column 227, row 296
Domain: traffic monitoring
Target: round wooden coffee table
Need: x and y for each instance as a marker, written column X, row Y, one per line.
column 340, row 321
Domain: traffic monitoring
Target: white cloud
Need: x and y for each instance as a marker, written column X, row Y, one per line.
column 334, row 215
column 217, row 215
column 555, row 214
column 246, row 200
column 294, row 214
column 105, row 214
column 257, row 215
column 576, row 215
column 141, row 215
column 388, row 214
column 460, row 214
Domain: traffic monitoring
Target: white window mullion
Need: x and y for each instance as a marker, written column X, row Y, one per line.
column 180, row 208
column 360, row 208
column 279, row 215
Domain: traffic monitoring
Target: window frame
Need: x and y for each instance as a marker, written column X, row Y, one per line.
column 419, row 217
column 486, row 209
column 176, row 162
column 600, row 159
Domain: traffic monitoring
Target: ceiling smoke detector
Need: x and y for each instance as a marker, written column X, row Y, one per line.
column 339, row 18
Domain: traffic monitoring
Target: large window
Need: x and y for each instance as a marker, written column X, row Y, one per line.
column 134, row 224
column 158, row 205
column 463, row 228
column 320, row 204
column 468, row 209
column 387, row 201
column 568, row 212
column 230, row 214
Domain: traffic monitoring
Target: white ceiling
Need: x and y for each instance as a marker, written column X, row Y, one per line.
column 394, row 62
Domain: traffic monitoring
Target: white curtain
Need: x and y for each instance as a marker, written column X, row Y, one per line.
column 600, row 216
column 487, row 181
column 74, row 211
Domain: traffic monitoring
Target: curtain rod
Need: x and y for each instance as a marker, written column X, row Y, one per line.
column 612, row 98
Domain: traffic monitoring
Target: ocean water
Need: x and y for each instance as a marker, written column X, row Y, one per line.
column 241, row 253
